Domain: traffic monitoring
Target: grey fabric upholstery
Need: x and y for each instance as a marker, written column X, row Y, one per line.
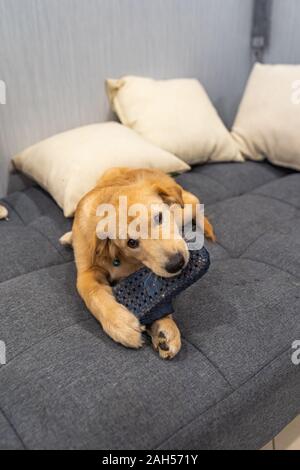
column 233, row 385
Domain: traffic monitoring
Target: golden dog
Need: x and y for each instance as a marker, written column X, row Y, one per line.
column 94, row 257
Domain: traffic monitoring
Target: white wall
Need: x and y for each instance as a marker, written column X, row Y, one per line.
column 55, row 55
column 285, row 33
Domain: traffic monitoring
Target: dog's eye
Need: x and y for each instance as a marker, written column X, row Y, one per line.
column 132, row 243
column 158, row 218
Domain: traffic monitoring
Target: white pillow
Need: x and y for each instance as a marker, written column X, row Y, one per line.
column 68, row 165
column 267, row 124
column 175, row 115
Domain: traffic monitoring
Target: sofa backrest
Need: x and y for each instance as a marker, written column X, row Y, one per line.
column 55, row 55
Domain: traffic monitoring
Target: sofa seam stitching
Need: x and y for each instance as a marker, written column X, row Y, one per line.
column 47, row 239
column 259, row 262
column 11, row 207
column 253, row 242
column 210, row 361
column 227, row 250
column 266, row 263
column 36, row 271
column 55, row 333
column 269, row 229
column 247, row 192
column 275, row 199
column 225, row 397
column 13, row 428
column 254, row 194
column 215, row 181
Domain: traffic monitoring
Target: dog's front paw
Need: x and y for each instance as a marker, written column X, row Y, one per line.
column 123, row 327
column 209, row 230
column 166, row 338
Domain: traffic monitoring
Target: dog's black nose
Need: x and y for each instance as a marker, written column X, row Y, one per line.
column 175, row 263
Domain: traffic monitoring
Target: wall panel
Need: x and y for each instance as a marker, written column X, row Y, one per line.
column 55, row 55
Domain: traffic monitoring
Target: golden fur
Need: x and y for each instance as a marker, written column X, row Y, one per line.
column 95, row 270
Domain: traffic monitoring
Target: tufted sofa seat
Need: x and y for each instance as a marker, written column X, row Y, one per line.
column 233, row 385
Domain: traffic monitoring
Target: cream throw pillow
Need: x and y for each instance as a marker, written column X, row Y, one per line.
column 175, row 115
column 68, row 165
column 267, row 124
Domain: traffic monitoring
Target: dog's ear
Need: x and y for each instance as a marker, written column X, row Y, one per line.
column 92, row 247
column 106, row 249
column 102, row 248
column 170, row 194
column 105, row 235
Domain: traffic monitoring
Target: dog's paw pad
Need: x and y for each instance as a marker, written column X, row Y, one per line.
column 163, row 346
column 166, row 345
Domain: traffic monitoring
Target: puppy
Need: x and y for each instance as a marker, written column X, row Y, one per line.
column 94, row 256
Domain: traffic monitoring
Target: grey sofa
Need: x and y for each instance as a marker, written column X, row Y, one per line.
column 233, row 385
column 66, row 384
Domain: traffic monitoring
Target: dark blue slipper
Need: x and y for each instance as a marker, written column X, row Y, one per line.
column 149, row 296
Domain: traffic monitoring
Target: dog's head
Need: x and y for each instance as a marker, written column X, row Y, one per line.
column 145, row 228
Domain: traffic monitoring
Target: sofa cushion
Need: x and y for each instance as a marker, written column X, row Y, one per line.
column 77, row 389
column 246, row 314
column 233, row 385
column 239, row 221
column 285, row 190
column 249, row 416
column 9, row 439
column 30, row 239
column 219, row 181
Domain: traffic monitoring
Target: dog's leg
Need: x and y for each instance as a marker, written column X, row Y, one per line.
column 165, row 337
column 209, row 230
column 120, row 324
column 189, row 198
